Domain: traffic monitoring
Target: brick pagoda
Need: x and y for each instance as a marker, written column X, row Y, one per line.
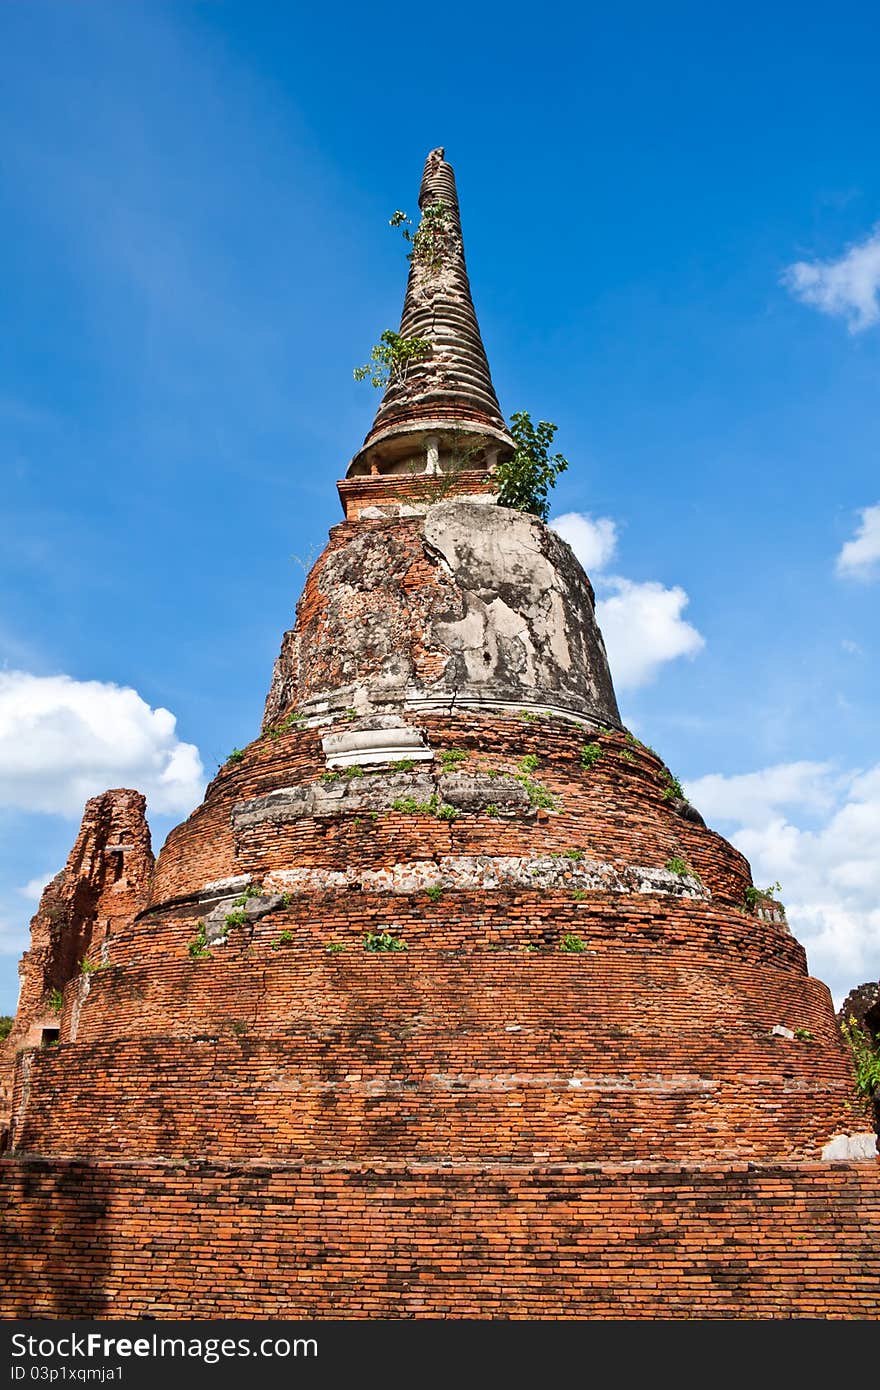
column 443, row 1003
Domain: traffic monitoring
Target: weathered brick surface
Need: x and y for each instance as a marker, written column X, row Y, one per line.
column 392, row 1241
column 482, row 1039
column 464, row 922
column 468, row 602
column 631, row 992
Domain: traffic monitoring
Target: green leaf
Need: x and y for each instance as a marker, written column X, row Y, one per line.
column 524, row 481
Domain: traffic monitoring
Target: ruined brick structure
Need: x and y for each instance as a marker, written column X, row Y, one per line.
column 863, row 1005
column 443, row 1002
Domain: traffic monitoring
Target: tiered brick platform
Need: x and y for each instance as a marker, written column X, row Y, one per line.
column 482, row 1124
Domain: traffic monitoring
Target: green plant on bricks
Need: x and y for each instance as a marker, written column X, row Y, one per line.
column 866, row 1057
column 451, row 757
column 383, row 941
column 525, row 479
column 677, row 866
column 672, row 790
column 590, row 754
column 198, row 947
column 572, row 943
column 391, row 359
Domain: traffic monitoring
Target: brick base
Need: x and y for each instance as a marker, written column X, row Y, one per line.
column 111, row 1240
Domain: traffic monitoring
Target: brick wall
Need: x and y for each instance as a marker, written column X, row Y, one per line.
column 105, row 1240
column 394, row 491
column 377, row 1095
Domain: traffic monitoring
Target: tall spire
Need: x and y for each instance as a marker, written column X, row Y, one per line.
column 451, row 388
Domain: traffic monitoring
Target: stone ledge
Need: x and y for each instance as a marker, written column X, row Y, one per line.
column 377, row 791
column 851, row 1148
column 483, row 871
column 379, row 740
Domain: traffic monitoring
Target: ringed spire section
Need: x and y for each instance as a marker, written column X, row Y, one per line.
column 441, row 414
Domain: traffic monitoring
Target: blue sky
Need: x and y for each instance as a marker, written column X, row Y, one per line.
column 669, row 215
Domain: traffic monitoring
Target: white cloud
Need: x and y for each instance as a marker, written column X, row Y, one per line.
column 846, row 288
column 830, row 870
column 757, row 797
column 15, row 937
column 641, row 622
column 593, row 540
column 643, row 628
column 33, row 889
column 860, row 557
column 63, row 740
